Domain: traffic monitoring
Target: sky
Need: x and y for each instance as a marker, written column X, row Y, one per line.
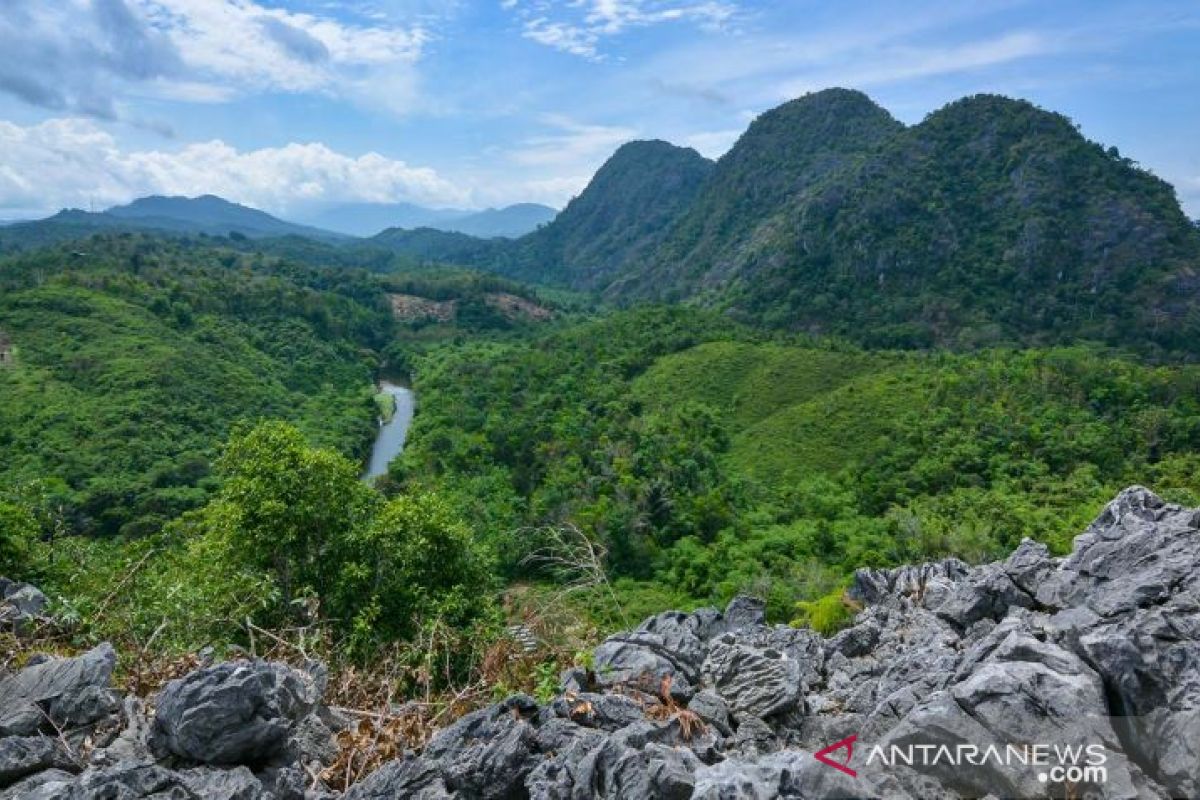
column 290, row 105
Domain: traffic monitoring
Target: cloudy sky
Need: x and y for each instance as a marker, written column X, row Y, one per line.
column 284, row 104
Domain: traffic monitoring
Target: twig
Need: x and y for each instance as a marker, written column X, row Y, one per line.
column 128, row 577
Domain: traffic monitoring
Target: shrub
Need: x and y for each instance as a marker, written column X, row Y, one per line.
column 827, row 614
column 18, row 530
column 414, row 561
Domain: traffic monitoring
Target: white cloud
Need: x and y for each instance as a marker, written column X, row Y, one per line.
column 83, row 56
column 578, row 27
column 902, row 63
column 861, row 50
column 75, row 163
column 573, row 144
column 250, row 45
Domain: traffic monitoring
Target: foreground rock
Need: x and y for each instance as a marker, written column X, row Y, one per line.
column 236, row 731
column 1030, row 677
column 1037, row 658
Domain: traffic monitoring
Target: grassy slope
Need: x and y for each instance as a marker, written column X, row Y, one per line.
column 793, row 412
column 788, row 408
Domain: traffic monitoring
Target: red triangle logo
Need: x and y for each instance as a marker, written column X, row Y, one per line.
column 846, row 744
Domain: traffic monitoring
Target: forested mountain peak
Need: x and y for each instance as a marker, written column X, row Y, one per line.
column 991, row 221
column 785, row 151
column 623, row 214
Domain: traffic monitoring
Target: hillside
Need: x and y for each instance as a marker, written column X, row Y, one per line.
column 990, row 222
column 785, row 152
column 619, row 219
column 706, row 459
column 134, row 362
column 428, row 244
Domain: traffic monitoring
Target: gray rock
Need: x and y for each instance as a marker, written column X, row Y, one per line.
column 755, row 737
column 711, row 708
column 131, row 782
column 233, row 713
column 62, row 692
column 284, row 783
column 606, row 711
column 52, row 784
column 754, row 681
column 487, row 754
column 1139, row 552
column 745, row 612
column 1028, row 566
column 229, row 784
column 987, row 593
column 132, row 743
column 890, row 586
column 21, row 756
column 27, row 600
column 408, row 777
column 669, row 646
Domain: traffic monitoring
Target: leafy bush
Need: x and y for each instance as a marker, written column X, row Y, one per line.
column 18, row 529
column 826, row 615
column 414, row 561
column 286, row 507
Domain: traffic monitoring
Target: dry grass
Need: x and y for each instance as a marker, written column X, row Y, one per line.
column 394, row 702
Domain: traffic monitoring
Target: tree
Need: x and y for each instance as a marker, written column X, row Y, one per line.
column 286, row 507
column 414, row 561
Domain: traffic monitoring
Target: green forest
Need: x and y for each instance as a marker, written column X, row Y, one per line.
column 868, row 366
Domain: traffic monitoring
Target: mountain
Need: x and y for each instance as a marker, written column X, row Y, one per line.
column 428, row 244
column 510, row 222
column 208, row 215
column 991, row 222
column 621, row 217
column 786, row 151
column 368, row 219
column 212, row 215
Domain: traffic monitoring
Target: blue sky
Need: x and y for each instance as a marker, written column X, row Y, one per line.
column 290, row 104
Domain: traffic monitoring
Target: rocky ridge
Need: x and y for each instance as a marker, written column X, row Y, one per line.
column 1099, row 648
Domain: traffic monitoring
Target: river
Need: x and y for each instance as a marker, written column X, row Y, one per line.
column 392, row 434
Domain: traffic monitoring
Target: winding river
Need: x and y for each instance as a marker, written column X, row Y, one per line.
column 392, row 433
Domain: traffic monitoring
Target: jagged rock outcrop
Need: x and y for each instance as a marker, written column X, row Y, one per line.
column 233, row 713
column 245, row 730
column 21, row 606
column 1100, row 648
column 1030, row 677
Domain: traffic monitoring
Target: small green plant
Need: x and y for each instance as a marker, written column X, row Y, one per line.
column 827, row 614
column 546, row 681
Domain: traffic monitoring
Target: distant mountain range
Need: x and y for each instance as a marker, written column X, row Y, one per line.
column 368, row 219
column 215, row 216
column 991, row 222
column 207, row 214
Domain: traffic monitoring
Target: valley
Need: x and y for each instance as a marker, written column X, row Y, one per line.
column 449, row 466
